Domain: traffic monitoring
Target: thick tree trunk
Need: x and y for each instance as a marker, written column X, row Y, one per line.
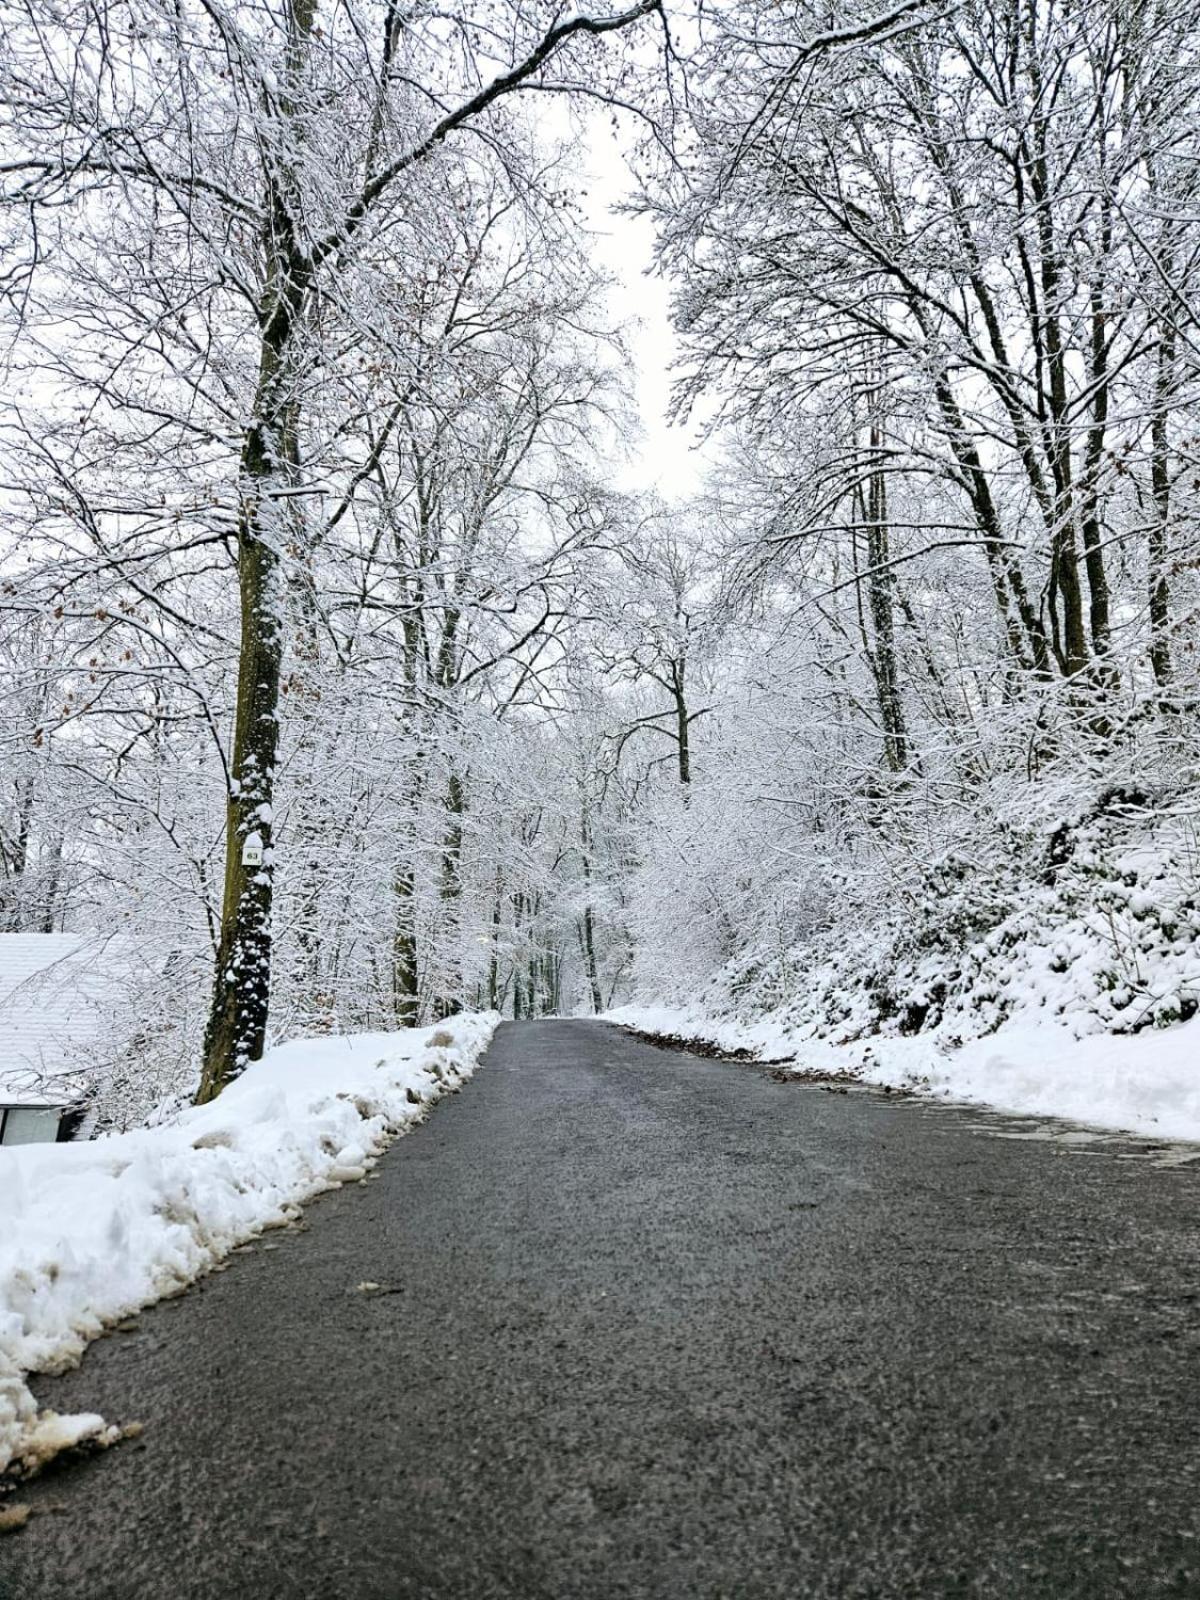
column 238, row 1021
column 552, row 983
column 237, row 1024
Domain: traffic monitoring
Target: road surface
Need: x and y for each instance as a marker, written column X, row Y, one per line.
column 653, row 1326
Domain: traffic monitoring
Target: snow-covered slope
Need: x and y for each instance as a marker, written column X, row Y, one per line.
column 1146, row 1083
column 91, row 1232
column 1044, row 957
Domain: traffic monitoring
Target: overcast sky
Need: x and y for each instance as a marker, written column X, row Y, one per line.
column 624, row 246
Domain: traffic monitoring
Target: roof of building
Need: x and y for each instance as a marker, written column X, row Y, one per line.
column 57, row 991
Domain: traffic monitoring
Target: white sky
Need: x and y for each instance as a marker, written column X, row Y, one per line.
column 666, row 459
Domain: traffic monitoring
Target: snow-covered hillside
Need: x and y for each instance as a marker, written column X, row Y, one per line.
column 1047, row 969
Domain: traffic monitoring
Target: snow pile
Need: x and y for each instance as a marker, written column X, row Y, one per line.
column 1147, row 1083
column 91, row 1232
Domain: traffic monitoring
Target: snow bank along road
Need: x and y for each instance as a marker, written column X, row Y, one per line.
column 647, row 1325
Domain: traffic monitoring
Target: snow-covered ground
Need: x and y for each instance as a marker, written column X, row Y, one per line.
column 1147, row 1082
column 91, row 1232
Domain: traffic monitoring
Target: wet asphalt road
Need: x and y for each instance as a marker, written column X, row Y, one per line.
column 656, row 1326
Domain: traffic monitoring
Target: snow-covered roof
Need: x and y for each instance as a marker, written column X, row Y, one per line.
column 55, row 992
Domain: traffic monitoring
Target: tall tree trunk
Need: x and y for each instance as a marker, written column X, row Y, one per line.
column 519, row 1007
column 316, row 1003
column 879, row 589
column 238, row 1021
column 682, row 721
column 590, row 966
column 494, row 959
column 405, row 982
column 48, row 910
column 587, row 938
column 450, row 999
column 1090, row 518
column 1064, row 585
column 237, row 1024
column 13, row 909
column 1158, row 541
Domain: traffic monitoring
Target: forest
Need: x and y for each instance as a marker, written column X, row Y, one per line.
column 352, row 678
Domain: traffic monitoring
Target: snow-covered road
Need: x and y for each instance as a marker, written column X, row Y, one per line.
column 622, row 1322
column 92, row 1232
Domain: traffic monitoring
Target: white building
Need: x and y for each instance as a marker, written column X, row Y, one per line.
column 58, row 992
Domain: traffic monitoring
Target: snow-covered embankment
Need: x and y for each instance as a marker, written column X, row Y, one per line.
column 1146, row 1083
column 91, row 1232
